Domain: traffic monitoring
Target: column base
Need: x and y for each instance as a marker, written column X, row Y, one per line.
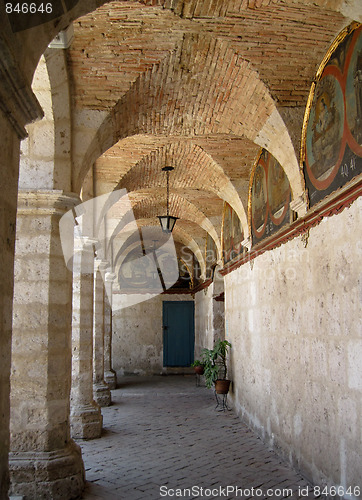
column 4, row 473
column 54, row 475
column 86, row 421
column 110, row 377
column 102, row 394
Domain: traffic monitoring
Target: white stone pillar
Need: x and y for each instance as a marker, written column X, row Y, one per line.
column 109, row 374
column 85, row 414
column 44, row 461
column 9, row 158
column 101, row 390
column 19, row 106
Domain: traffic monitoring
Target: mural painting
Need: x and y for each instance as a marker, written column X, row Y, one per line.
column 332, row 149
column 233, row 234
column 270, row 196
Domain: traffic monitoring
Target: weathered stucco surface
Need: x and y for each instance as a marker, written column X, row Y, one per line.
column 137, row 334
column 209, row 316
column 204, row 332
column 293, row 317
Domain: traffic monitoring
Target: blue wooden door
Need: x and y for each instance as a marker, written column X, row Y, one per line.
column 178, row 333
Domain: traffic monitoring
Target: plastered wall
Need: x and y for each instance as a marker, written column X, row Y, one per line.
column 293, row 316
column 137, row 341
column 204, row 332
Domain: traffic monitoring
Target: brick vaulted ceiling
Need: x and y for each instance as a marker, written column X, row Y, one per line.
column 190, row 83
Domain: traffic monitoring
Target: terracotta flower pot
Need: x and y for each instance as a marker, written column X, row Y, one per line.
column 199, row 369
column 222, row 386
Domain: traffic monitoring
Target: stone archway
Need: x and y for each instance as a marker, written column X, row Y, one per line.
column 21, row 53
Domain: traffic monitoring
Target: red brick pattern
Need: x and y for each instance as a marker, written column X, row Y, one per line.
column 284, row 43
column 192, row 83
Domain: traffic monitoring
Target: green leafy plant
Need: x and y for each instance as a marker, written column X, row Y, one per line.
column 215, row 364
column 197, row 362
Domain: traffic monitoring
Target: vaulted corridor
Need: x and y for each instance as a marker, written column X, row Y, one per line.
column 163, row 435
column 178, row 177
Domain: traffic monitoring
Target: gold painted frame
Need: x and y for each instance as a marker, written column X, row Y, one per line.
column 251, row 181
column 191, row 274
column 222, row 229
column 337, row 41
column 205, row 251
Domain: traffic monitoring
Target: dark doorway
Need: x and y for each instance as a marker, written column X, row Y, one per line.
column 178, row 333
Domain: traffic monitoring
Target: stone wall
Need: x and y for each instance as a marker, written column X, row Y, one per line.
column 137, row 334
column 209, row 316
column 293, row 317
column 204, row 331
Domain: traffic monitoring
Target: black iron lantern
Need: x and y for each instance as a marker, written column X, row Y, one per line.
column 167, row 221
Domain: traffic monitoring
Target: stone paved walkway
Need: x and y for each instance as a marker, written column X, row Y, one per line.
column 163, row 435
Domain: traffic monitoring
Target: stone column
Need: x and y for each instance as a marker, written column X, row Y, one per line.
column 85, row 414
column 19, row 106
column 44, row 461
column 109, row 374
column 101, row 390
column 9, row 161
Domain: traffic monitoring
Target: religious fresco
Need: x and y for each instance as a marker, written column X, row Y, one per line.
column 332, row 140
column 210, row 256
column 270, row 196
column 260, row 196
column 232, row 234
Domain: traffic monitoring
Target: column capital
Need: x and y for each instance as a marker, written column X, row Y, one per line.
column 101, row 265
column 299, row 205
column 84, row 243
column 246, row 243
column 110, row 277
column 46, row 201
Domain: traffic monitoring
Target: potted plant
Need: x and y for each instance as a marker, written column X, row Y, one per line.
column 215, row 366
column 198, row 367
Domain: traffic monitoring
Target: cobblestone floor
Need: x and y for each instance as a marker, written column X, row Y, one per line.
column 163, row 438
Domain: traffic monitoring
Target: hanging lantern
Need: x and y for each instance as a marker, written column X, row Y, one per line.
column 167, row 221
